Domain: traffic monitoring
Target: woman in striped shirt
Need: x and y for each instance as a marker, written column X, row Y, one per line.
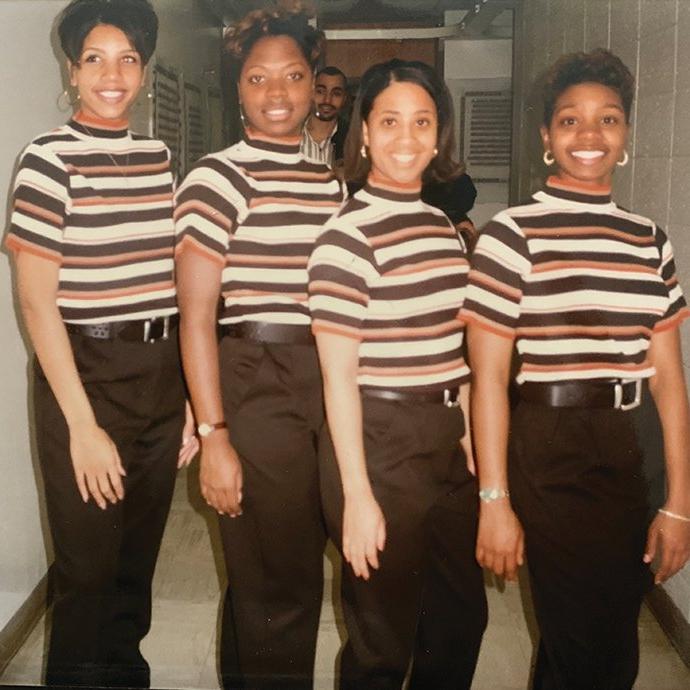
column 247, row 218
column 92, row 235
column 386, row 281
column 587, row 293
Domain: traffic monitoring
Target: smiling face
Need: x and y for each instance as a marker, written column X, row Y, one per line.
column 109, row 74
column 587, row 134
column 400, row 133
column 329, row 96
column 275, row 87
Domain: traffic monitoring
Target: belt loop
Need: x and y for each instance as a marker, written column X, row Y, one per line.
column 448, row 400
column 618, row 402
column 147, row 331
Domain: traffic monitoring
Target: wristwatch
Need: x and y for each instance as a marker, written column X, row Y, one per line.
column 205, row 429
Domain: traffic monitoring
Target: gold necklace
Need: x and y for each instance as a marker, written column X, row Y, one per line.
column 118, row 167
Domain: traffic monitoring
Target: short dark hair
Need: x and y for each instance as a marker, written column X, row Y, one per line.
column 135, row 18
column 332, row 71
column 599, row 66
column 379, row 77
column 290, row 20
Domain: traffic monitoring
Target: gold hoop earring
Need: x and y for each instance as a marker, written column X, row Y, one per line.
column 548, row 158
column 625, row 160
column 243, row 117
column 363, row 151
column 65, row 103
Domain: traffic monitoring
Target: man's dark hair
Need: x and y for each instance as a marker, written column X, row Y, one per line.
column 332, row 71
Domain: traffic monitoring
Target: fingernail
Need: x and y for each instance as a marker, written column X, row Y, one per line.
column 646, row 558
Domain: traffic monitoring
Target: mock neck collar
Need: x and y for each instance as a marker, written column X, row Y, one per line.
column 272, row 144
column 391, row 191
column 98, row 127
column 579, row 193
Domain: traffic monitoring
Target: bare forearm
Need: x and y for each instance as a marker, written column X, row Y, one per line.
column 199, row 347
column 490, row 420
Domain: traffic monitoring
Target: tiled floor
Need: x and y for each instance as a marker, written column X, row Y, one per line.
column 181, row 646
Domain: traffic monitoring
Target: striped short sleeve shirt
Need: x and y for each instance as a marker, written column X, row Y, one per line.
column 257, row 208
column 98, row 202
column 391, row 272
column 579, row 283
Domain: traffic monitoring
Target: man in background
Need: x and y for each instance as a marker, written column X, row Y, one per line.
column 324, row 130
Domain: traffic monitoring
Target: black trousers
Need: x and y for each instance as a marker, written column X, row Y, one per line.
column 104, row 559
column 272, row 399
column 413, row 462
column 578, row 487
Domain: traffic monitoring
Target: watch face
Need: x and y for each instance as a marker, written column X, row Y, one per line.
column 204, row 429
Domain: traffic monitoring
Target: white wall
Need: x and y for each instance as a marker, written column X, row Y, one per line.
column 651, row 37
column 31, row 80
column 479, row 65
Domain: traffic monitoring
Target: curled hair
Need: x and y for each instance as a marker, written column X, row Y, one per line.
column 599, row 66
column 378, row 78
column 135, row 18
column 288, row 19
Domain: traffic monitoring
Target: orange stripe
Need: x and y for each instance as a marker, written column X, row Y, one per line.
column 35, row 210
column 211, row 214
column 406, row 233
column 597, row 265
column 292, row 202
column 17, row 244
column 123, row 170
column 117, row 258
column 297, row 296
column 192, row 244
column 332, row 288
column 559, row 233
column 414, row 371
column 584, row 366
column 672, row 321
column 121, row 200
column 402, row 333
column 283, row 175
column 581, row 331
column 472, row 319
column 290, row 261
column 320, row 326
column 426, row 266
column 495, row 286
column 121, row 292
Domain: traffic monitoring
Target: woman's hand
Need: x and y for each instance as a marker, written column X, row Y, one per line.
column 221, row 474
column 670, row 538
column 97, row 466
column 500, row 540
column 364, row 534
column 190, row 443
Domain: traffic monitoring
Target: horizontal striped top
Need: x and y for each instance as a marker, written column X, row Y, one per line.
column 257, row 208
column 391, row 272
column 97, row 200
column 578, row 282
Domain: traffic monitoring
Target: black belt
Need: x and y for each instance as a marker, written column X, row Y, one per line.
column 618, row 394
column 447, row 397
column 264, row 332
column 146, row 330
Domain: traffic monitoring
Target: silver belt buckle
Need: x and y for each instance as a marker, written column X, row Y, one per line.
column 147, row 329
column 618, row 403
column 447, row 401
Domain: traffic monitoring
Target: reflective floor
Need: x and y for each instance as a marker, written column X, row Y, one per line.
column 181, row 646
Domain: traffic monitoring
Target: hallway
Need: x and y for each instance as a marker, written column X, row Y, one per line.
column 181, row 646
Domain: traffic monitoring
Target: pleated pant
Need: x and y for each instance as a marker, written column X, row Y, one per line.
column 577, row 484
column 105, row 559
column 273, row 403
column 429, row 500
